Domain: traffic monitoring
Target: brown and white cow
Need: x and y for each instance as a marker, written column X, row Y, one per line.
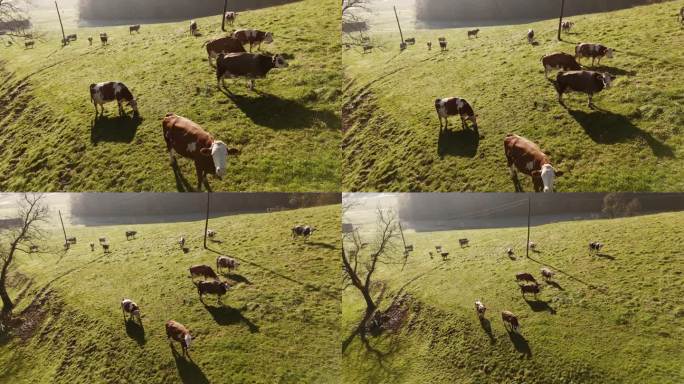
column 203, row 271
column 226, row 262
column 249, row 65
column 177, row 332
column 189, row 140
column 559, row 60
column 547, row 273
column 223, row 45
column 213, row 288
column 253, row 37
column 131, row 308
column 103, row 93
column 134, row 28
column 193, row 28
column 480, row 309
column 526, row 157
column 230, row 17
column 453, row 106
column 595, row 51
column 588, row 82
column 510, row 320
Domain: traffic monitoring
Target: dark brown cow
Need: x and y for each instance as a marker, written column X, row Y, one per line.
column 253, row 37
column 104, row 38
column 103, row 93
column 204, row 271
column 559, row 60
column 454, row 106
column 588, row 82
column 473, row 32
column 442, row 43
column 213, row 288
column 30, row 44
column 223, row 45
column 177, row 331
column 595, row 51
column 526, row 157
column 249, row 65
column 511, row 320
column 681, row 15
column 463, row 242
column 193, row 28
column 105, row 247
column 190, row 141
column 131, row 234
column 134, row 28
column 525, row 289
column 524, row 276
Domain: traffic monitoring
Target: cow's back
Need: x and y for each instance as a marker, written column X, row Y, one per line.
column 526, row 155
column 188, row 138
column 245, row 64
column 225, row 44
column 175, row 330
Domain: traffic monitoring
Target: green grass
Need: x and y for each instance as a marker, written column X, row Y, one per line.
column 392, row 143
column 282, row 325
column 289, row 133
column 617, row 319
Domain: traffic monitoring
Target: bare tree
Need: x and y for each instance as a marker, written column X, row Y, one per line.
column 14, row 19
column 354, row 22
column 31, row 212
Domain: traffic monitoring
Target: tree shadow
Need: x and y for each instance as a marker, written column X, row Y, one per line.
column 520, row 344
column 136, row 332
column 487, row 327
column 609, row 128
column 555, row 285
column 283, row 113
column 463, row 143
column 117, row 129
column 188, row 371
column 226, row 315
column 540, row 306
column 605, row 256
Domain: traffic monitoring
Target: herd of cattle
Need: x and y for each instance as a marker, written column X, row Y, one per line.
column 530, row 284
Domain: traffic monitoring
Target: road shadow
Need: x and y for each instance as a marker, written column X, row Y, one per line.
column 117, row 129
column 609, row 128
column 282, row 113
column 188, row 371
column 540, row 306
column 226, row 315
column 487, row 327
column 520, row 344
column 136, row 332
column 462, row 143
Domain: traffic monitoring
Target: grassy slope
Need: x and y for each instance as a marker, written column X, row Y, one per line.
column 627, row 329
column 292, row 300
column 289, row 135
column 392, row 141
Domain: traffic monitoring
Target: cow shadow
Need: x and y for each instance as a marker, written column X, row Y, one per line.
column 136, row 332
column 237, row 278
column 540, row 306
column 520, row 344
column 226, row 315
column 605, row 127
column 605, row 256
column 487, row 327
column 182, row 184
column 117, row 129
column 281, row 113
column 322, row 245
column 186, row 250
column 462, row 143
column 555, row 285
column 614, row 70
column 188, row 371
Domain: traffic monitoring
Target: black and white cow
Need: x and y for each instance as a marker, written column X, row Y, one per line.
column 130, row 308
column 480, row 309
column 595, row 51
column 104, row 38
column 530, row 36
column 595, row 246
column 103, row 93
column 130, row 235
column 454, row 106
column 302, row 230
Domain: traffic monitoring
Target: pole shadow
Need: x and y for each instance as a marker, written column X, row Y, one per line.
column 520, row 344
column 226, row 315
column 117, row 130
column 462, row 143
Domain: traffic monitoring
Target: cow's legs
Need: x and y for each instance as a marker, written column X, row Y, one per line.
column 251, row 84
column 464, row 125
column 514, row 177
column 591, row 102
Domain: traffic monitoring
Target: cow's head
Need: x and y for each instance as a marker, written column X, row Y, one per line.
column 187, row 340
column 609, row 53
column 607, row 79
column 268, row 37
column 548, row 176
column 136, row 313
column 279, row 61
column 134, row 105
column 219, row 151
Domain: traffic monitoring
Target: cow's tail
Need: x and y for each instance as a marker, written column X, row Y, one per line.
column 205, row 43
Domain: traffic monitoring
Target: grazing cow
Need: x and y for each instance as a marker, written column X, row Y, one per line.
column 431, row 255
column 72, row 37
column 410, row 40
column 177, row 331
column 103, row 93
column 453, row 106
column 33, row 248
column 547, row 273
column 67, row 245
column 510, row 252
column 511, row 320
column 30, row 44
column 594, row 51
column 595, row 246
column 566, row 26
column 90, row 40
column 226, row 262
column 181, row 242
column 526, row 277
column 203, row 271
column 189, row 140
column 223, row 45
column 532, row 245
column 134, row 28
column 559, row 60
column 105, row 247
column 302, row 230
column 130, row 308
column 193, row 28
column 438, row 248
column 480, row 309
column 249, row 65
column 230, row 17
column 211, row 233
column 130, row 235
column 526, row 157
column 530, row 36
column 367, row 48
column 71, row 240
column 444, row 255
column 104, row 38
column 588, row 82
column 463, row 242
column 525, row 289
column 429, row 45
column 473, row 32
column 92, row 246
column 442, row 43
column 102, row 240
column 253, row 37
column 212, row 287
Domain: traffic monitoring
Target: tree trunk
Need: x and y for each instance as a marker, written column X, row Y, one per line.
column 7, row 304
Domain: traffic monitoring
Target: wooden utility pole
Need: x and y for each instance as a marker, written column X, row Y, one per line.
column 206, row 222
column 560, row 21
column 63, row 230
column 529, row 214
column 225, row 9
column 64, row 40
column 399, row 25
